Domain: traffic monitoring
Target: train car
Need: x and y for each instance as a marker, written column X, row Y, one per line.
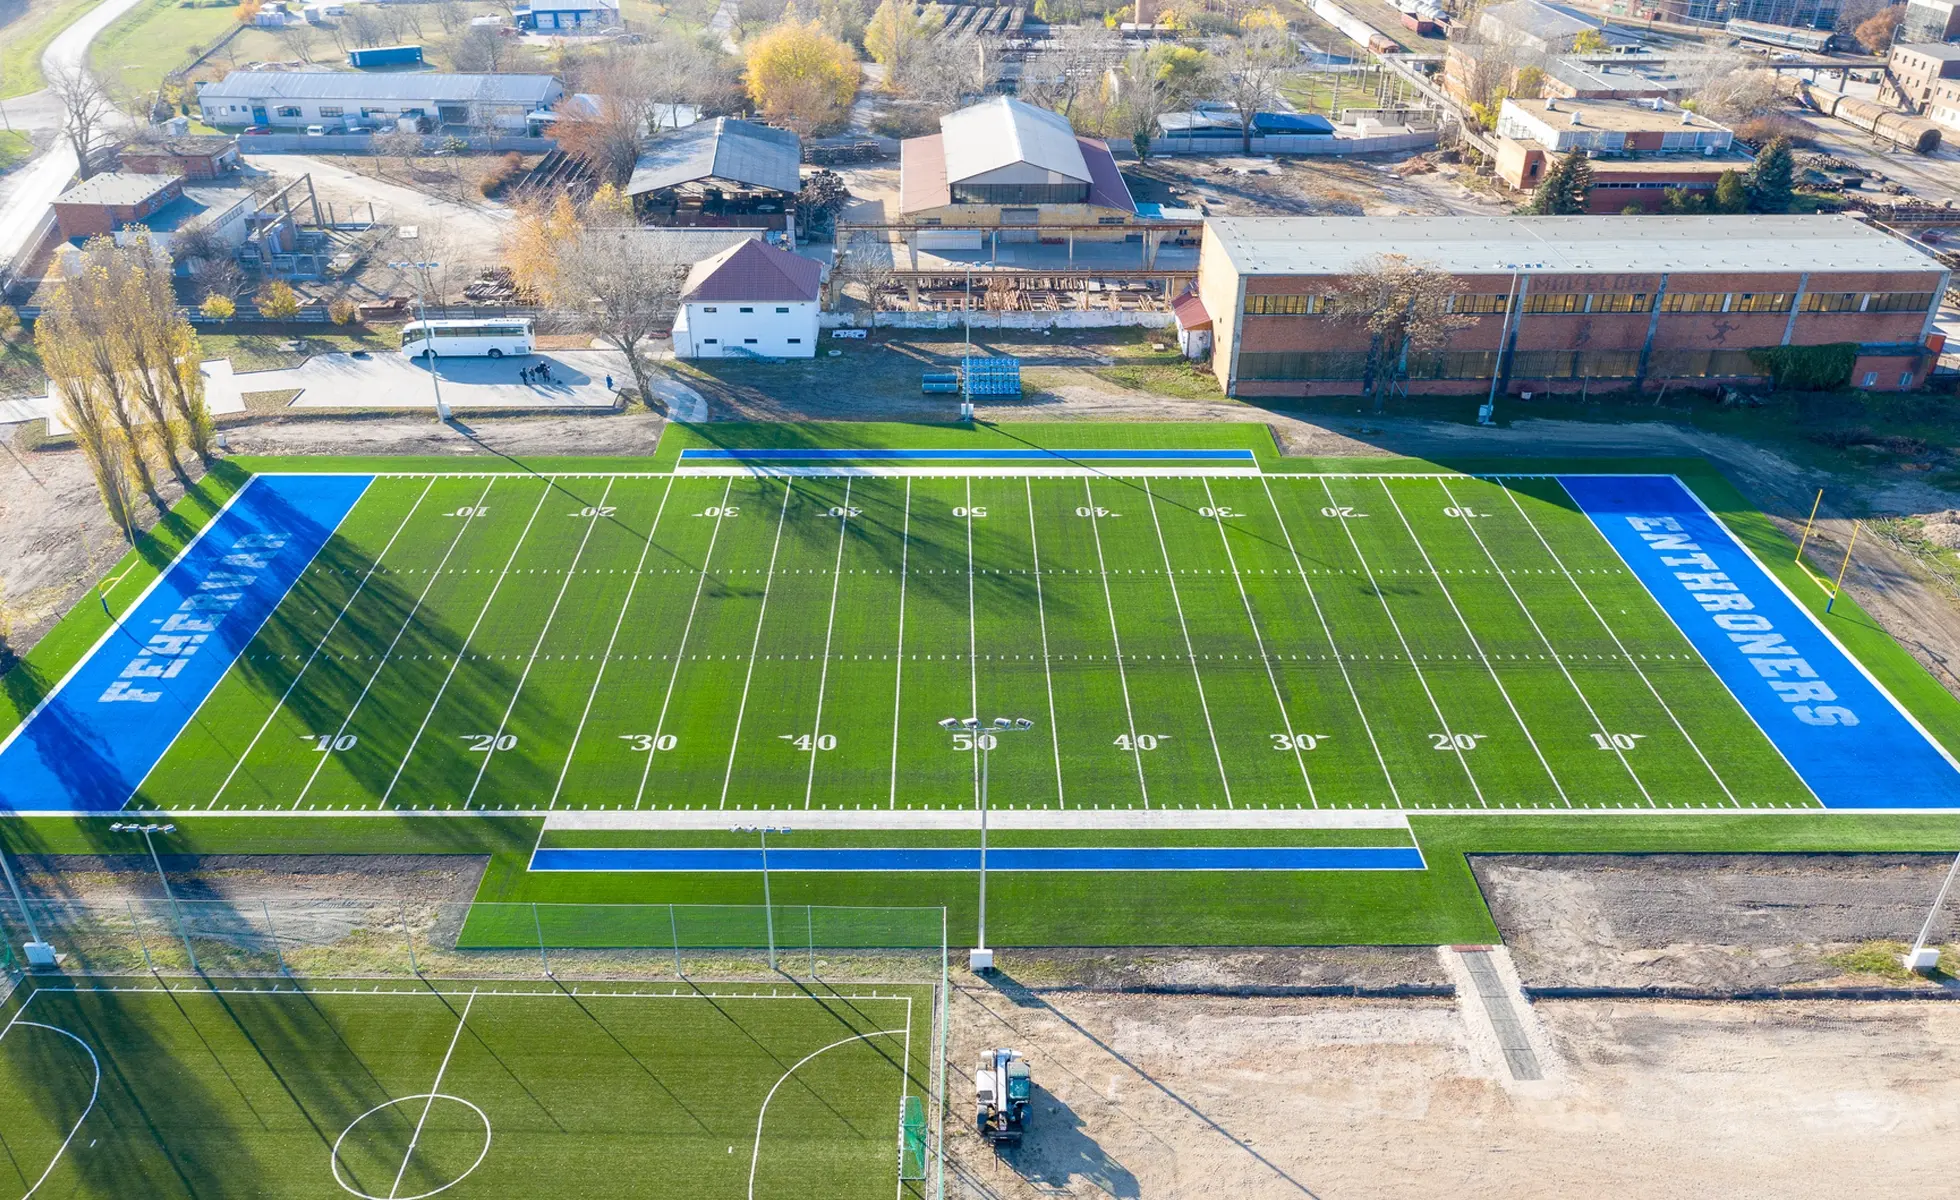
column 1911, row 133
column 1811, row 41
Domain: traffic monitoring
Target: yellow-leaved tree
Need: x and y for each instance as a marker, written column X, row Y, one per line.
column 801, row 77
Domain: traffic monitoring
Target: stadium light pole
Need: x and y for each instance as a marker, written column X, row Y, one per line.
column 1923, row 958
column 417, row 269
column 1488, row 414
column 983, row 738
column 183, row 930
column 768, row 909
column 966, row 315
column 39, row 953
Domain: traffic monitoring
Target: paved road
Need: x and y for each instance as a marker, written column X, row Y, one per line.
column 391, row 381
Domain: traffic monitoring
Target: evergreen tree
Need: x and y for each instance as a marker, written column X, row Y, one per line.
column 1770, row 178
column 1563, row 191
column 1731, row 193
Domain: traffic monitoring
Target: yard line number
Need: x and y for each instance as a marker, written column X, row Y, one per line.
column 731, row 511
column 484, row 743
column 1616, row 741
column 596, row 510
column 841, row 511
column 1455, row 741
column 646, row 742
column 1287, row 742
column 1088, row 511
column 1140, row 741
column 976, row 511
column 323, row 742
column 966, row 742
column 470, row 510
column 1341, row 510
column 1221, row 512
column 805, row 742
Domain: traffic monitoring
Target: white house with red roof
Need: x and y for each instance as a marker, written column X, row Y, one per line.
column 749, row 300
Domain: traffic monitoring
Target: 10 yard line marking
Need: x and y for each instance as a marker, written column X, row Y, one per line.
column 898, row 671
column 638, row 569
column 1116, row 639
column 1286, row 721
column 1374, row 585
column 406, row 622
column 823, row 677
column 1047, row 673
column 1475, row 644
column 464, row 649
column 544, row 631
column 680, row 651
column 279, row 707
column 434, row 1088
column 762, row 614
column 1190, row 652
column 1599, row 724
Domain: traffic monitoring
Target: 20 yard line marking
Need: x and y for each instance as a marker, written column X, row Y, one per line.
column 1047, row 673
column 680, row 651
column 1189, row 651
column 1286, row 721
column 1547, row 642
column 830, row 624
column 762, row 614
column 1374, row 585
column 464, row 649
column 280, row 706
column 544, row 631
column 1116, row 639
column 407, row 621
column 898, row 669
column 434, row 1088
column 1475, row 644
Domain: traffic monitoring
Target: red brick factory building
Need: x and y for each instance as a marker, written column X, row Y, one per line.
column 1560, row 303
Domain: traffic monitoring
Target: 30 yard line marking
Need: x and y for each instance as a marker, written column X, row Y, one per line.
column 1614, row 634
column 898, row 669
column 1047, row 673
column 1190, row 652
column 639, row 568
column 1374, row 585
column 463, row 650
column 830, row 624
column 407, row 621
column 1328, row 632
column 762, row 614
column 1475, row 644
column 544, row 631
column 1545, row 641
column 434, row 1089
column 1259, row 640
column 680, row 651
column 1116, row 639
column 280, row 705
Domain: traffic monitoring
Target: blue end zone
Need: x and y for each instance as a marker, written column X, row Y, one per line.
column 94, row 739
column 724, row 455
column 1027, row 858
column 1848, row 739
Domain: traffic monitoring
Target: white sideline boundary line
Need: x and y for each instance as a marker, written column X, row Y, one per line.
column 95, row 1089
column 435, row 1089
column 1047, row 669
column 755, row 1157
column 748, row 676
column 680, row 650
column 972, row 645
column 945, row 471
column 1116, row 639
column 829, row 628
column 431, row 991
column 1190, row 651
column 898, row 670
column 1077, row 818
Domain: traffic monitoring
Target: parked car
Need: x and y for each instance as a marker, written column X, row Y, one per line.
column 257, row 130
column 316, row 131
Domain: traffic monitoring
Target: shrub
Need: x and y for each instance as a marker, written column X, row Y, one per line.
column 502, row 175
column 343, row 312
column 218, row 307
column 278, row 301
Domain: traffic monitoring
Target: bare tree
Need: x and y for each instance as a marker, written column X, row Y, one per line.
column 88, row 114
column 299, row 39
column 1254, row 65
column 451, row 15
column 866, row 261
column 478, row 48
column 949, row 72
column 607, row 137
column 625, row 286
column 363, row 24
column 1069, row 74
column 1405, row 307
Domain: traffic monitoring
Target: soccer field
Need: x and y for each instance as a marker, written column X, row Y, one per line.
column 468, row 1090
column 1181, row 637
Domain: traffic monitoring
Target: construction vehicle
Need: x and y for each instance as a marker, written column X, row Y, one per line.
column 1003, row 1086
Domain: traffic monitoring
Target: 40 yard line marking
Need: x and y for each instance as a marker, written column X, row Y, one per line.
column 1047, row 673
column 286, row 695
column 830, row 625
column 1116, row 639
column 898, row 670
column 762, row 614
column 1190, row 652
column 680, row 651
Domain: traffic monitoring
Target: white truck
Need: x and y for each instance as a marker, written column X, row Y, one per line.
column 1003, row 1086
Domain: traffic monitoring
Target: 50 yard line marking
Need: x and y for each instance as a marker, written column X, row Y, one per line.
column 280, row 705
column 1116, row 639
column 762, row 614
column 830, row 625
column 1189, row 651
column 434, row 1089
column 680, row 651
column 898, row 671
column 1047, row 673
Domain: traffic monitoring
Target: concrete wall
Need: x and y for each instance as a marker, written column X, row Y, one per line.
column 759, row 327
column 1296, row 144
column 361, row 143
column 984, row 319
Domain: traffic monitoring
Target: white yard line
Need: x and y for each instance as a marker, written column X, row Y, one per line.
column 947, row 471
column 1550, row 649
column 1279, row 699
column 434, row 1089
column 680, row 651
column 972, row 644
column 544, row 631
column 1047, row 673
column 1475, row 644
column 1116, row 639
column 1374, row 585
column 1190, row 651
column 463, row 650
column 639, row 568
column 407, row 621
column 898, row 671
column 762, row 614
column 963, row 818
column 755, row 1156
column 830, row 625
column 1328, row 633
column 280, row 706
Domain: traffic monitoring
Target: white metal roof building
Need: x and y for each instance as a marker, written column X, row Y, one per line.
column 1003, row 141
column 1004, row 152
column 300, row 98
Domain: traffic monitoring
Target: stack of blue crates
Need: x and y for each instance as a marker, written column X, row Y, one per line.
column 992, row 376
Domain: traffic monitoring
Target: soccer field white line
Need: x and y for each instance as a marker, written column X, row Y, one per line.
column 898, row 675
column 748, row 677
column 478, row 991
column 1047, row 670
column 1190, row 651
column 1116, row 639
column 830, row 626
column 755, row 1157
column 680, row 651
column 972, row 645
column 435, row 1089
column 95, row 1089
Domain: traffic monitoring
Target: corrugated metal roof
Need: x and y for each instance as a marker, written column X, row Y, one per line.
column 754, row 271
column 1497, row 245
column 117, row 188
column 1189, row 308
column 739, row 151
column 1000, row 132
column 922, row 174
column 1106, row 186
column 431, row 86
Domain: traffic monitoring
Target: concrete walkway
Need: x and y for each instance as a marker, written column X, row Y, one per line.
column 385, row 380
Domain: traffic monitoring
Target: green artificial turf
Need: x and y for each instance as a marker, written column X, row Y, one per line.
column 590, row 1095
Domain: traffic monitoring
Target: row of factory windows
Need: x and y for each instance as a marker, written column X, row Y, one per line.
column 1344, row 365
column 1631, row 302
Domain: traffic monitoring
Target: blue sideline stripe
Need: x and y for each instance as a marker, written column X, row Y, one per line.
column 967, row 858
column 94, row 738
column 1848, row 739
column 971, row 455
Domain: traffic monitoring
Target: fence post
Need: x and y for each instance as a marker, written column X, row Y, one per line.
column 674, row 925
column 137, row 925
column 408, row 939
column 538, row 925
column 274, row 934
column 810, row 927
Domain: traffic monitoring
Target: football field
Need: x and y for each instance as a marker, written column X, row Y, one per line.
column 1180, row 637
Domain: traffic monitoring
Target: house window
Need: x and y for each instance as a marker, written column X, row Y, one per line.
column 1694, row 302
column 1621, row 302
column 709, row 341
column 1898, row 301
column 708, row 308
column 1109, row 220
column 1477, row 303
column 1278, row 305
column 748, row 309
column 748, row 341
column 1761, row 302
column 799, row 342
column 289, row 110
column 1832, row 301
column 1871, row 379
column 782, row 308
column 1556, row 302
column 332, row 110
column 1905, row 380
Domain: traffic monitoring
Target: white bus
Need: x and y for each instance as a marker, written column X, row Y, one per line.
column 493, row 337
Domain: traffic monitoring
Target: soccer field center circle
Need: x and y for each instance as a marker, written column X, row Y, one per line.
column 429, row 1098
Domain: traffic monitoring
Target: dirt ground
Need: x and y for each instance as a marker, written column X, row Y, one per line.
column 1363, row 185
column 417, row 877
column 1335, row 1099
